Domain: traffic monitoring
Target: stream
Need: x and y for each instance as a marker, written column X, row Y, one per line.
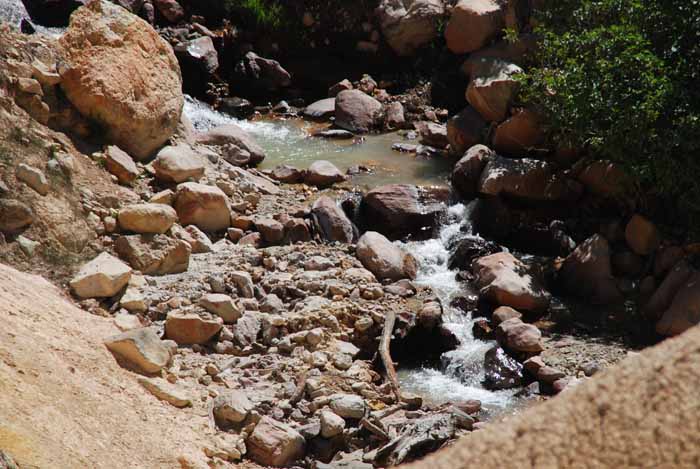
column 458, row 377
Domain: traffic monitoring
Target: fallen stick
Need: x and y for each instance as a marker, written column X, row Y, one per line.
column 385, row 353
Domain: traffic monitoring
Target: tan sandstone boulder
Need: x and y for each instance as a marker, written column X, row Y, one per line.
column 102, row 277
column 178, row 164
column 207, row 207
column 273, row 443
column 121, row 74
column 190, row 328
column 154, row 254
column 409, row 25
column 147, row 218
column 473, row 24
column 384, row 259
column 141, row 348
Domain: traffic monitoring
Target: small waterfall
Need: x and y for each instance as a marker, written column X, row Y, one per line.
column 460, row 375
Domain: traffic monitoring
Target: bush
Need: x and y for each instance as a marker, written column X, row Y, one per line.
column 619, row 78
column 263, row 14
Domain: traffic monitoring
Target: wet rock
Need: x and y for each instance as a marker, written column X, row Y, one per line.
column 233, row 139
column 404, row 210
column 465, row 129
column 103, row 277
column 504, row 280
column 323, row 109
column 207, row 207
column 189, row 328
column 518, row 134
column 501, row 371
column 14, row 215
column 408, row 26
column 666, row 258
column 199, row 61
column 467, row 171
column 259, row 74
column 518, row 336
column 482, row 330
column 175, row 164
column 33, row 177
column 627, row 263
column 684, row 311
column 471, row 248
column 473, row 24
column 331, row 221
column 120, row 72
column 154, row 254
column 357, row 112
column 348, row 406
column 231, row 407
column 167, row 392
column 322, row 174
column 273, row 443
column 432, row 134
column 492, row 89
column 142, row 349
column 239, row 107
column 147, row 218
column 335, row 134
column 384, row 259
column 642, row 235
column 395, row 116
column 287, row 174
column 587, row 272
column 222, row 306
column 121, row 165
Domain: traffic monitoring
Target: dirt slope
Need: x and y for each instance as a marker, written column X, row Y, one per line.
column 645, row 412
column 65, row 403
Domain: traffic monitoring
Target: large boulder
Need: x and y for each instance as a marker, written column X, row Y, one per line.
column 51, row 13
column 207, row 207
column 331, row 221
column 147, row 218
column 604, row 178
column 587, row 272
column 492, row 89
column 14, row 215
column 465, row 129
column 102, row 277
column 357, row 112
column 273, row 443
column 142, row 349
column 199, row 61
column 322, row 174
column 518, row 134
column 409, row 25
column 432, row 134
column 501, row 371
column 154, row 254
column 322, row 109
column 684, row 311
column 467, row 171
column 257, row 74
column 385, row 259
column 190, row 328
column 506, row 281
column 473, row 24
column 231, row 139
column 642, row 235
column 401, row 210
column 121, row 165
column 120, row 73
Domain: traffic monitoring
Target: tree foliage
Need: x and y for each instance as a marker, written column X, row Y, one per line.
column 619, row 78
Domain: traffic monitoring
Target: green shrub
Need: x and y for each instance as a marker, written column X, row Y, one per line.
column 263, row 14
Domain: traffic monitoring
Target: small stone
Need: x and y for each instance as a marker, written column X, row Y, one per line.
column 165, row 391
column 189, row 328
column 33, row 177
column 331, row 424
column 102, row 277
column 127, row 322
column 244, row 283
column 231, row 407
column 222, row 306
column 141, row 348
column 348, row 406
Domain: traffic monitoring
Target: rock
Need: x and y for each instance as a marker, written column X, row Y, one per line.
column 287, row 174
column 231, row 407
column 120, row 73
column 473, row 24
column 467, row 171
column 166, row 197
column 154, row 254
column 260, row 184
column 395, row 116
column 271, row 230
column 348, row 406
column 14, row 216
column 666, row 258
column 518, row 134
column 142, row 349
column 587, row 273
column 400, row 210
column 199, row 61
column 604, row 178
column 518, row 336
column 642, row 235
column 662, row 298
column 534, row 364
column 102, row 277
column 505, row 281
column 259, row 74
column 335, row 134
column 273, row 443
column 206, row 207
column 178, row 164
column 243, row 283
column 147, row 218
column 504, row 313
column 627, row 263
column 493, row 88
column 248, row 329
column 233, row 138
column 331, row 221
column 501, row 371
column 121, row 165
column 190, row 328
column 127, row 322
column 51, row 13
column 549, row 375
column 170, row 10
column 331, row 424
column 344, row 85
column 252, row 239
column 356, row 112
column 464, row 130
column 196, row 238
column 384, row 259
column 323, row 109
column 410, row 25
column 222, row 306
column 165, row 391
column 27, row 246
column 432, row 134
column 322, row 174
column 33, row 177
column 133, row 301
column 684, row 311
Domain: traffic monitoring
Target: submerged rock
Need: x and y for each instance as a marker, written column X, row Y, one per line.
column 501, row 371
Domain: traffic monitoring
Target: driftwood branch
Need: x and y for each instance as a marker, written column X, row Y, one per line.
column 385, row 354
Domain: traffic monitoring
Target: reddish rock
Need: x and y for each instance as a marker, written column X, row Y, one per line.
column 492, row 89
column 642, row 235
column 464, row 130
column 331, row 221
column 518, row 134
column 384, row 259
column 190, row 328
column 467, row 171
column 473, row 24
column 121, row 165
column 504, row 313
column 684, row 311
column 357, row 112
column 662, row 298
column 587, row 273
column 518, row 336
